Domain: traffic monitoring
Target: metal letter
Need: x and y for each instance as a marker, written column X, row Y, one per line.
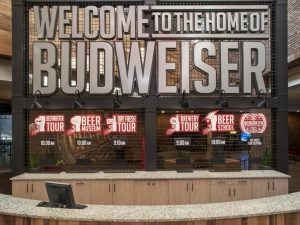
column 233, row 22
column 103, row 22
column 178, row 16
column 66, row 67
column 156, row 16
column 88, row 12
column 42, row 66
column 63, row 22
column 134, row 70
column 226, row 67
column 244, row 21
column 221, row 22
column 95, row 47
column 166, row 21
column 75, row 23
column 210, row 23
column 256, row 70
column 254, row 22
column 188, row 22
column 45, row 24
column 264, row 21
column 142, row 22
column 198, row 21
column 163, row 66
column 205, row 68
column 124, row 25
column 185, row 66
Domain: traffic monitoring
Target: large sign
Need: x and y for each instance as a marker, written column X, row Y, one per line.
column 183, row 123
column 47, row 124
column 216, row 122
column 121, row 123
column 253, row 123
column 173, row 27
column 89, row 123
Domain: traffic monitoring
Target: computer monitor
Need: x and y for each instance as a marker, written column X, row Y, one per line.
column 60, row 195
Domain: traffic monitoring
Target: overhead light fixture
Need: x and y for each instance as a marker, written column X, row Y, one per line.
column 222, row 100
column 117, row 102
column 261, row 102
column 183, row 102
column 78, row 103
column 36, row 104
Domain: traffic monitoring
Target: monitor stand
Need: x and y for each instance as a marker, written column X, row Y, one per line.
column 57, row 205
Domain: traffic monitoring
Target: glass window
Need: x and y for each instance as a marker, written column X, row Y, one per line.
column 214, row 139
column 83, row 140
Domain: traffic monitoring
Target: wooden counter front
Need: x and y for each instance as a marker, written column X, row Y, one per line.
column 279, row 210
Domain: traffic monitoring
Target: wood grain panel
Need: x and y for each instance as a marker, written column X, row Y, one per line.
column 5, row 43
column 5, row 22
column 21, row 221
column 123, row 192
column 178, row 192
column 88, row 223
column 281, row 219
column 261, row 220
column 1, row 219
column 200, row 191
column 5, row 15
column 229, row 222
column 5, row 28
column 37, row 222
column 292, row 218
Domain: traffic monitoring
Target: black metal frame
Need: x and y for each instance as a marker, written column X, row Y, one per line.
column 151, row 103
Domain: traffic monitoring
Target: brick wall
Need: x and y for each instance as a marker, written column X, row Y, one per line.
column 293, row 29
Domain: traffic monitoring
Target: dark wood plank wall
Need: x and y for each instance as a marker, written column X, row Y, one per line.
column 281, row 219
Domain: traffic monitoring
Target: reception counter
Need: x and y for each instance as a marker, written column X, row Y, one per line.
column 162, row 187
column 156, row 175
column 279, row 210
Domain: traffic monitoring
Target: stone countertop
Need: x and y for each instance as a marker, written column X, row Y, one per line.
column 200, row 174
column 258, row 207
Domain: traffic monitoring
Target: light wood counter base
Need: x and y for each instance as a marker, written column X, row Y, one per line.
column 156, row 188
